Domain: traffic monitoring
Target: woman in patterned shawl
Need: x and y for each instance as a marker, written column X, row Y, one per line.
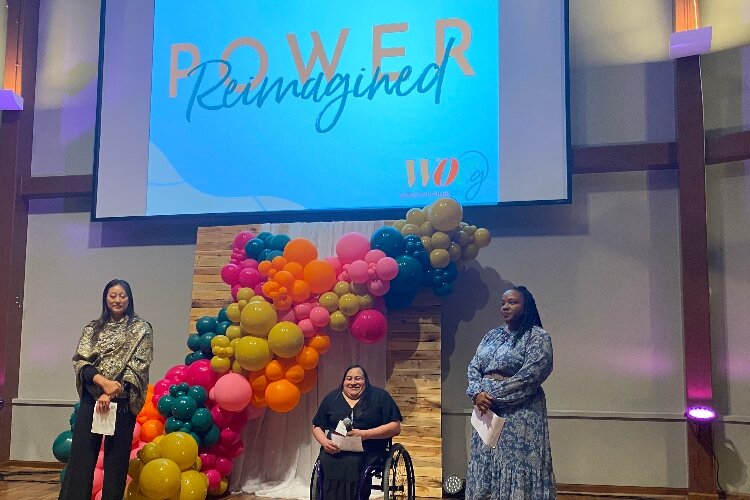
column 505, row 377
column 111, row 365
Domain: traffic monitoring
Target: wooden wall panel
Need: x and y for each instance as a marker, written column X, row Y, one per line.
column 413, row 359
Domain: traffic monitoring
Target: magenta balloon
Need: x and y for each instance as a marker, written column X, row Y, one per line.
column 241, row 240
column 221, row 417
column 351, row 247
column 387, row 268
column 224, row 466
column 208, row 461
column 249, row 263
column 228, row 436
column 230, row 274
column 249, row 277
column 214, row 478
column 162, row 387
column 176, row 374
column 258, row 289
column 358, row 271
column 232, row 391
column 369, row 326
column 200, row 373
column 235, row 289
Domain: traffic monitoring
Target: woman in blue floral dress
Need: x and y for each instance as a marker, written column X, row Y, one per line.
column 505, row 377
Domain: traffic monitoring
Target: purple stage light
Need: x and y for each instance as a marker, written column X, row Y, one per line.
column 700, row 414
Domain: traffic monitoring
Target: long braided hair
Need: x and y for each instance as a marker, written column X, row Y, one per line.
column 530, row 316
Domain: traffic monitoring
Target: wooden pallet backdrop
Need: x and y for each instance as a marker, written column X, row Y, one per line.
column 413, row 354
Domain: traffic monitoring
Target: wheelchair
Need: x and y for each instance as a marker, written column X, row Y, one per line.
column 394, row 472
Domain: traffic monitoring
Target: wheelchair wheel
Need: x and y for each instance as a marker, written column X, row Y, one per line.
column 398, row 475
column 316, row 484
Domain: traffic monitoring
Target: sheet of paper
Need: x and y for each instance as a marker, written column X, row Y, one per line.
column 104, row 423
column 345, row 443
column 341, row 428
column 488, row 426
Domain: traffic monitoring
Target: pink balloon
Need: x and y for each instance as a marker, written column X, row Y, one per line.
column 241, row 239
column 228, row 436
column 358, row 271
column 319, row 316
column 286, row 315
column 369, row 326
column 136, row 434
column 374, row 255
column 387, row 268
column 224, row 466
column 176, row 374
column 308, row 330
column 98, row 480
column 162, row 387
column 258, row 289
column 235, row 289
column 249, row 264
column 221, row 417
column 137, row 446
column 302, row 311
column 232, row 392
column 378, row 288
column 335, row 262
column 208, row 461
column 214, row 478
column 249, row 277
column 230, row 274
column 200, row 373
column 351, row 247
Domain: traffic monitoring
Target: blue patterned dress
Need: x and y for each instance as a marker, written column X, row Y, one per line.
column 520, row 467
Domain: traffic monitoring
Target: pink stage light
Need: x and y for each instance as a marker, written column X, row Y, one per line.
column 700, row 414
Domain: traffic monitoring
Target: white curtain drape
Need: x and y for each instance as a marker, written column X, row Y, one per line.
column 279, row 448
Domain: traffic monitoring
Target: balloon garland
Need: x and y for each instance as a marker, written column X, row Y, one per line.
column 262, row 350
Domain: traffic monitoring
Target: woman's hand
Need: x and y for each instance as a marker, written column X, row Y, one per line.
column 360, row 433
column 110, row 387
column 330, row 447
column 483, row 402
column 102, row 404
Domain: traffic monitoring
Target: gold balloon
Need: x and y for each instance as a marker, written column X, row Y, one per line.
column 349, row 304
column 470, row 252
column 252, row 353
column 461, row 238
column 482, row 237
column 427, row 243
column 257, row 318
column 180, row 448
column 441, row 240
column 426, row 229
column 445, row 214
column 439, row 258
column 233, row 313
column 416, row 216
column 455, row 252
column 366, row 301
column 245, row 294
column 339, row 322
column 341, row 288
column 329, row 301
column 399, row 224
column 286, row 339
column 411, row 229
column 160, row 478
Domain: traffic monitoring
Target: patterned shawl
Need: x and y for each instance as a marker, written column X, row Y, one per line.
column 119, row 352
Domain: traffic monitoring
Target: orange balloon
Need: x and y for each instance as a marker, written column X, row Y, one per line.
column 259, row 383
column 295, row 374
column 308, row 382
column 279, row 262
column 320, row 343
column 150, row 429
column 259, row 400
column 284, row 278
column 320, row 275
column 282, row 303
column 274, row 370
column 141, row 418
column 295, row 268
column 151, row 412
column 300, row 250
column 282, row 396
column 300, row 291
column 308, row 358
column 264, row 267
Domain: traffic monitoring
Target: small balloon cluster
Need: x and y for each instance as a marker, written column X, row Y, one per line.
column 207, row 328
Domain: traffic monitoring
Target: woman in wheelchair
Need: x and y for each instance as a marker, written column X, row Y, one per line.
column 366, row 411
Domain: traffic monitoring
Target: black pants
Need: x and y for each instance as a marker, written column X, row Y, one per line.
column 79, row 476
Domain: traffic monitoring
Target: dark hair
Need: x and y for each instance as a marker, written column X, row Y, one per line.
column 106, row 315
column 365, row 397
column 530, row 316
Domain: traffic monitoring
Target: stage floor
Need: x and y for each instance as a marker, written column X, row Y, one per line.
column 22, row 483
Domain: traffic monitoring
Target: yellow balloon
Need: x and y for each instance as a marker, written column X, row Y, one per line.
column 330, row 301
column 134, row 468
column 245, row 294
column 258, row 317
column 461, row 238
column 220, row 341
column 399, row 224
column 198, row 464
column 338, row 321
column 220, row 364
column 366, row 301
column 193, row 486
column 241, row 304
column 416, row 216
column 445, row 214
column 252, row 353
column 233, row 313
column 455, row 252
column 257, row 298
column 160, row 478
column 470, row 252
column 150, row 451
column 441, row 240
column 181, row 448
column 349, row 304
column 341, row 288
column 133, row 491
column 427, row 243
column 426, row 229
column 439, row 258
column 233, row 332
column 286, row 339
column 482, row 237
column 158, row 439
column 411, row 229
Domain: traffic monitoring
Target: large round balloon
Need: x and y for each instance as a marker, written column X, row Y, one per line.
column 369, row 326
column 200, row 373
column 301, row 251
column 160, row 478
column 193, row 486
column 351, row 247
column 286, row 339
column 282, row 396
column 445, row 214
column 180, row 448
column 61, row 446
column 252, row 353
column 399, row 299
column 232, row 392
column 257, row 317
column 320, row 275
column 409, row 274
column 389, row 240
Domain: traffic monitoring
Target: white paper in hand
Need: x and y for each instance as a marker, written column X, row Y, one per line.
column 345, row 443
column 104, row 423
column 488, row 426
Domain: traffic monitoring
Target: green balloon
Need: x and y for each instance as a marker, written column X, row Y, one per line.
column 202, row 420
column 62, row 474
column 165, row 405
column 221, row 327
column 197, row 438
column 172, row 424
column 212, row 436
column 184, row 407
column 61, row 446
column 198, row 393
column 222, row 316
column 205, row 324
column 206, row 339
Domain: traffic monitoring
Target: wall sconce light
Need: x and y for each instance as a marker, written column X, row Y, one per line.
column 700, row 414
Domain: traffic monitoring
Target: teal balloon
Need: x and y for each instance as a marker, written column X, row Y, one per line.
column 197, row 438
column 173, row 425
column 389, row 240
column 278, row 242
column 273, row 254
column 205, row 324
column 263, row 236
column 194, row 342
column 61, row 446
column 212, row 436
column 222, row 316
column 254, row 247
column 184, row 407
column 77, row 406
column 428, row 275
column 198, row 393
column 183, row 387
column 399, row 300
column 409, row 274
column 221, row 327
column 62, row 474
column 173, row 390
column 206, row 344
column 263, row 255
column 450, row 272
column 202, row 420
column 165, row 405
column 443, row 290
column 72, row 420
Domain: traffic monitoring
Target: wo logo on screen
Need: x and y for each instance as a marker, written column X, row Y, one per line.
column 473, row 166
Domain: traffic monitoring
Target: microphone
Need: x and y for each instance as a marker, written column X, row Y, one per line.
column 347, row 423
